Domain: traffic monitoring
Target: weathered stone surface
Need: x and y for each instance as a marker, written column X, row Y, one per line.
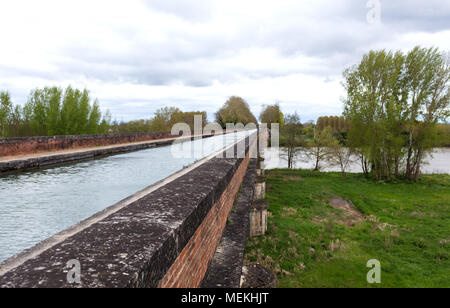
column 256, row 276
column 136, row 245
column 225, row 269
column 260, row 191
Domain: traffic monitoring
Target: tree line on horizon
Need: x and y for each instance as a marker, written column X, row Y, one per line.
column 52, row 111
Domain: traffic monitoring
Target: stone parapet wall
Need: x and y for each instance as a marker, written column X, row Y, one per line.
column 165, row 238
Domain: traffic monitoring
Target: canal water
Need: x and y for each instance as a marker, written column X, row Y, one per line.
column 437, row 162
column 37, row 204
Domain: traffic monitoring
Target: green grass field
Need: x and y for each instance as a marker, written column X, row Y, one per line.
column 404, row 225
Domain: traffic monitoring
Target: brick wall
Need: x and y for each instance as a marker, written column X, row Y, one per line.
column 28, row 145
column 190, row 267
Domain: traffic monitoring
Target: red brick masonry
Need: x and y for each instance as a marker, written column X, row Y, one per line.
column 30, row 145
column 190, row 267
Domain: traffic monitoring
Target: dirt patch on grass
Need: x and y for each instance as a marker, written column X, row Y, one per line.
column 292, row 178
column 285, row 177
column 352, row 215
column 288, row 212
column 319, row 221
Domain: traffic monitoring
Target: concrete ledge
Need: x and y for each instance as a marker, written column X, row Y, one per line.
column 136, row 245
column 225, row 269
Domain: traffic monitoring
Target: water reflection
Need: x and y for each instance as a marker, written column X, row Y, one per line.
column 437, row 162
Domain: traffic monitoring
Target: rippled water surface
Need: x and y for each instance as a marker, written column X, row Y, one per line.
column 38, row 204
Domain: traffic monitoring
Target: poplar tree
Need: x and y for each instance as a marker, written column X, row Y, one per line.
column 5, row 112
column 394, row 102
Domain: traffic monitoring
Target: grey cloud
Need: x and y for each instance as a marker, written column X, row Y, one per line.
column 193, row 10
column 335, row 33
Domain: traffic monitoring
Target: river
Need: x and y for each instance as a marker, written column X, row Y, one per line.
column 438, row 162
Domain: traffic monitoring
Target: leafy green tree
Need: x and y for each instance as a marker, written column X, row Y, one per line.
column 53, row 110
column 106, row 123
column 165, row 118
column 272, row 114
column 93, row 118
column 235, row 110
column 428, row 76
column 5, row 112
column 390, row 95
column 17, row 125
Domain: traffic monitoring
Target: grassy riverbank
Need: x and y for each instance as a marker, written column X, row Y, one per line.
column 406, row 226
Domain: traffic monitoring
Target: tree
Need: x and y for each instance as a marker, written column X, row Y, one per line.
column 340, row 156
column 291, row 137
column 428, row 75
column 5, row 112
column 272, row 114
column 165, row 118
column 318, row 149
column 91, row 117
column 390, row 96
column 106, row 123
column 235, row 110
column 52, row 111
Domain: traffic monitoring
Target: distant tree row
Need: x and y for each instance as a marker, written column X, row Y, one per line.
column 52, row 111
column 162, row 121
column 337, row 124
column 443, row 132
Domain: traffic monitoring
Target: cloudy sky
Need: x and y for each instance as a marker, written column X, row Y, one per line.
column 138, row 55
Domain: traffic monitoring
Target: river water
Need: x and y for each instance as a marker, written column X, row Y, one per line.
column 35, row 205
column 438, row 162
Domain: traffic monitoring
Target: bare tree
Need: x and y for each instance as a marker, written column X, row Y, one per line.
column 291, row 134
column 318, row 149
column 340, row 156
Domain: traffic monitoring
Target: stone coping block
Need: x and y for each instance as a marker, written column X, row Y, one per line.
column 260, row 205
column 260, row 179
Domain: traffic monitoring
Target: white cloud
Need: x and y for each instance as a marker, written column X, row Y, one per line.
column 136, row 56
